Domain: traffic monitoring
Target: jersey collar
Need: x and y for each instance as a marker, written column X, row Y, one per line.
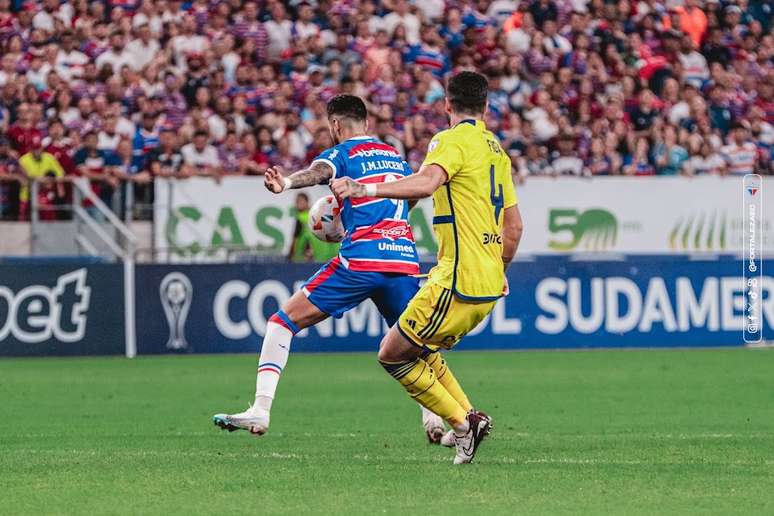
column 366, row 137
column 471, row 121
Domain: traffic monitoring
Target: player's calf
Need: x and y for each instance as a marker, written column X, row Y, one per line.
column 447, row 378
column 401, row 360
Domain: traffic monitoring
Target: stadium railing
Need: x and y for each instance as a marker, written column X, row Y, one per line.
column 122, row 198
column 89, row 223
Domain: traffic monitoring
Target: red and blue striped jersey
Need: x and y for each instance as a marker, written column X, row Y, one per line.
column 429, row 58
column 379, row 237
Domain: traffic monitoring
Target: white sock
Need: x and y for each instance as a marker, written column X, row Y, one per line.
column 461, row 429
column 274, row 357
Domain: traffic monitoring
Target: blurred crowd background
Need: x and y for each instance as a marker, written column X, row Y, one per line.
column 126, row 90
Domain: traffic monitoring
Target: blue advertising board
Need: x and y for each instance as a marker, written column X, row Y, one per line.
column 553, row 303
column 61, row 309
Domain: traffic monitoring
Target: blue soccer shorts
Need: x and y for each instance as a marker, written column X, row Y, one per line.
column 334, row 289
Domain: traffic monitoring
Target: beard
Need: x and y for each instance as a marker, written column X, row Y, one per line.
column 334, row 138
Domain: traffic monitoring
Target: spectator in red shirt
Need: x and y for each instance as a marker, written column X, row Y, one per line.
column 23, row 132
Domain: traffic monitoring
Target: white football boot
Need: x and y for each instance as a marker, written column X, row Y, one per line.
column 433, row 424
column 479, row 425
column 255, row 420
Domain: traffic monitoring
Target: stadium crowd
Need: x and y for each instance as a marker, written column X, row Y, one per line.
column 125, row 89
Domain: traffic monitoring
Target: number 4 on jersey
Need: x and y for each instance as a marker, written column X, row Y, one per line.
column 496, row 198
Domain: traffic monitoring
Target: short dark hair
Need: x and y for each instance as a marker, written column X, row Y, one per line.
column 467, row 92
column 348, row 106
column 737, row 124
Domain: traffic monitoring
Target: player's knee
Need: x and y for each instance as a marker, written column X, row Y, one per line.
column 282, row 319
column 301, row 311
column 384, row 353
column 388, row 351
column 394, row 348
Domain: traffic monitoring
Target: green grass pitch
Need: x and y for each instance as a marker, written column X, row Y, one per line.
column 618, row 432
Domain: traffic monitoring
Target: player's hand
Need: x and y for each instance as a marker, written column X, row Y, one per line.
column 345, row 187
column 274, row 180
column 506, row 288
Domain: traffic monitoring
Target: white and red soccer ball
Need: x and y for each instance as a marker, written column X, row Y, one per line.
column 325, row 220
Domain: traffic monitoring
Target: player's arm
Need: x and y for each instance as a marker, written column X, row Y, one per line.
column 318, row 172
column 416, row 186
column 513, row 227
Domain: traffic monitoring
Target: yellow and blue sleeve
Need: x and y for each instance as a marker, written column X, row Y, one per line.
column 445, row 152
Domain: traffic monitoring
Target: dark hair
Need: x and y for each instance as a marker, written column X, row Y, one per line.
column 737, row 124
column 467, row 92
column 201, row 133
column 348, row 106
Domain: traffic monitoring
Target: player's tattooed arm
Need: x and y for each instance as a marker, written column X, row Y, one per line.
column 318, row 172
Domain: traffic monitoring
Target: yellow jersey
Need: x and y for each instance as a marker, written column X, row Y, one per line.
column 468, row 210
column 36, row 169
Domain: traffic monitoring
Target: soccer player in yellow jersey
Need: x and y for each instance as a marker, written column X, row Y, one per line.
column 478, row 227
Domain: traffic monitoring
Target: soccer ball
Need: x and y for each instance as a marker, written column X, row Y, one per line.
column 325, row 220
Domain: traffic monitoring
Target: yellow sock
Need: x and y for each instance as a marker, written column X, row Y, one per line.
column 420, row 381
column 447, row 379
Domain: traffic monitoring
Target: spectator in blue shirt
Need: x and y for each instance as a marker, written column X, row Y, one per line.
column 719, row 111
column 146, row 138
column 429, row 54
column 476, row 18
column 453, row 31
column 670, row 157
column 123, row 165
